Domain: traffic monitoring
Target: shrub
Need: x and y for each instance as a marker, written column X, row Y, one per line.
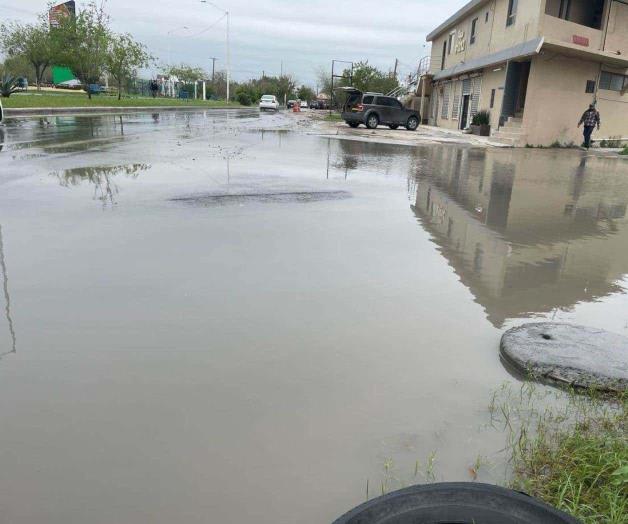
column 481, row 118
column 244, row 98
column 8, row 85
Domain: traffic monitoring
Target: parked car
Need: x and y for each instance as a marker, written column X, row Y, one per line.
column 374, row 109
column 304, row 104
column 314, row 104
column 290, row 104
column 70, row 84
column 269, row 102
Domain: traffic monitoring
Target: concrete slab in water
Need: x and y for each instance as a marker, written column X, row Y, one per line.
column 576, row 355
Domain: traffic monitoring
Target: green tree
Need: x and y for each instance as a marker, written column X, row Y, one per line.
column 32, row 42
column 305, row 93
column 125, row 56
column 84, row 42
column 368, row 78
column 186, row 73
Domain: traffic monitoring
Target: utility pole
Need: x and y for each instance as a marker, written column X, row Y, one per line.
column 281, row 69
column 213, row 59
column 396, row 66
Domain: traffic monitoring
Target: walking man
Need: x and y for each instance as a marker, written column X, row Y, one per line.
column 590, row 119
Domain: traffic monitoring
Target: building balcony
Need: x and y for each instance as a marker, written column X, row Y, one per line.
column 563, row 31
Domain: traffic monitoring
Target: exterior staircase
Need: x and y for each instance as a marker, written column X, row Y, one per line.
column 512, row 133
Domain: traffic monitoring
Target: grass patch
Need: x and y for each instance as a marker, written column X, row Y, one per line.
column 37, row 100
column 624, row 151
column 333, row 117
column 574, row 457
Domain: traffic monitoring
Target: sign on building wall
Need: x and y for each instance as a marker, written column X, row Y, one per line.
column 461, row 42
column 61, row 11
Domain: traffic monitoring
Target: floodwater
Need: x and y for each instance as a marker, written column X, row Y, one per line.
column 222, row 317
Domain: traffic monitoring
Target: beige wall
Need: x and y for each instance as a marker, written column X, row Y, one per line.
column 491, row 36
column 556, row 100
column 493, row 80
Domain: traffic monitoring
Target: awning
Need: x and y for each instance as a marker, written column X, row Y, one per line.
column 585, row 53
column 529, row 48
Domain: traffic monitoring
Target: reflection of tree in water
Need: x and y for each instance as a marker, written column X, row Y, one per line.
column 105, row 189
column 7, row 298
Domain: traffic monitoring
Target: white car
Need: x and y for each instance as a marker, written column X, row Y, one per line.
column 304, row 104
column 269, row 102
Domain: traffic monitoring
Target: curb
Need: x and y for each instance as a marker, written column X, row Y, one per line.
column 52, row 111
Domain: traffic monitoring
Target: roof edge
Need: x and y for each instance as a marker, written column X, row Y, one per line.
column 464, row 10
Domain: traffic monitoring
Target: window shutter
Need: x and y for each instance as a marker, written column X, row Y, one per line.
column 455, row 109
column 475, row 94
column 445, row 109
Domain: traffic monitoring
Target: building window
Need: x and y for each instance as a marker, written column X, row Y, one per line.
column 613, row 82
column 512, row 12
column 451, row 42
column 492, row 98
column 486, row 18
column 474, row 24
column 442, row 64
column 564, row 10
column 590, row 86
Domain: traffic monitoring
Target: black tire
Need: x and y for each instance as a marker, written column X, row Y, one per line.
column 372, row 121
column 455, row 502
column 393, row 126
column 412, row 123
column 353, row 124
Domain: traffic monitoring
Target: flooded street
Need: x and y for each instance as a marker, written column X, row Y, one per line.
column 225, row 317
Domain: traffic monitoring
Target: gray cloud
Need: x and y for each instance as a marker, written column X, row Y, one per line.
column 304, row 36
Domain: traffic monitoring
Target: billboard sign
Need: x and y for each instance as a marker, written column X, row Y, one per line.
column 61, row 11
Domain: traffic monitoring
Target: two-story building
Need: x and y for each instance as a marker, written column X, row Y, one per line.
column 536, row 65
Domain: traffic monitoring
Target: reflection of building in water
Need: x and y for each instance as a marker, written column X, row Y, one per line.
column 7, row 299
column 525, row 240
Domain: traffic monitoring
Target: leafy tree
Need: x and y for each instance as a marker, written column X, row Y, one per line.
column 368, row 78
column 125, row 56
column 305, row 93
column 84, row 43
column 323, row 79
column 18, row 66
column 186, row 73
column 32, row 42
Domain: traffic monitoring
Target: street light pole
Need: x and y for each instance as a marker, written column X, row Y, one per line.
column 228, row 15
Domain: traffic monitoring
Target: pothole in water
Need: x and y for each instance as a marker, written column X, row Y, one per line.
column 270, row 197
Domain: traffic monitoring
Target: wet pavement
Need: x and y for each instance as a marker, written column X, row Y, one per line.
column 222, row 317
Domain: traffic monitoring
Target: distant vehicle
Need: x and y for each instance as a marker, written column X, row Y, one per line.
column 374, row 109
column 319, row 104
column 269, row 102
column 1, row 112
column 70, row 84
column 290, row 104
column 22, row 83
column 304, row 104
column 96, row 89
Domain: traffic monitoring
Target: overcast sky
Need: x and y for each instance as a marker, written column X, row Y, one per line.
column 304, row 35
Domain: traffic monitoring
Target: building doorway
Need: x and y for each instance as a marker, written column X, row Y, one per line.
column 515, row 90
column 464, row 115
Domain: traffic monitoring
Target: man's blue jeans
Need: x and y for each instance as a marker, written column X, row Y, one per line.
column 588, row 131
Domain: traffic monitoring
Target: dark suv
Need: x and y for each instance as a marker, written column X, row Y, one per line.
column 373, row 109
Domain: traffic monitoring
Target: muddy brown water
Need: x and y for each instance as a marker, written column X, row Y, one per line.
column 218, row 317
